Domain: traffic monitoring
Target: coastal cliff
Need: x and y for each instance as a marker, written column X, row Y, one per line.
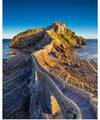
column 38, row 38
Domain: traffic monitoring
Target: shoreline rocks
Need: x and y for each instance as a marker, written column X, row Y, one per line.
column 10, row 53
column 15, row 63
column 78, row 46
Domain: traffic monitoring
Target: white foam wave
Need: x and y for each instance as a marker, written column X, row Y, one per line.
column 86, row 56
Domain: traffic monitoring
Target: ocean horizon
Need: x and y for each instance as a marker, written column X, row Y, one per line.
column 89, row 51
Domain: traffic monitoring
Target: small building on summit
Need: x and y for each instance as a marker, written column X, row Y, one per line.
column 58, row 22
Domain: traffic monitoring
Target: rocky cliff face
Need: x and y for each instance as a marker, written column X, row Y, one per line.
column 38, row 38
column 27, row 38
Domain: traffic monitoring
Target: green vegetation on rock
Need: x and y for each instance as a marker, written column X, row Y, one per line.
column 30, row 31
column 8, row 80
column 67, row 40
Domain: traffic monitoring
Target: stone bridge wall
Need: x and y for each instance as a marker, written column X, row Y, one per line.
column 68, row 108
column 79, row 92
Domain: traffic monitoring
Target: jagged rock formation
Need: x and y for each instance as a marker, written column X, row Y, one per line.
column 15, row 63
column 38, row 38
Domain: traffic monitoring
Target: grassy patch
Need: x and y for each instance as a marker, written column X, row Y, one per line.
column 73, row 36
column 67, row 39
column 63, row 39
column 52, row 26
column 30, row 31
column 8, row 80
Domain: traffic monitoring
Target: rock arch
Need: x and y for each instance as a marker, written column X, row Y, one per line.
column 56, row 112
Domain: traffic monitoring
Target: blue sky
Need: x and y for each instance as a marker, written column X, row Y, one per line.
column 79, row 15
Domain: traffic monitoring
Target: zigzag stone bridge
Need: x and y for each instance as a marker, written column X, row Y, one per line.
column 73, row 102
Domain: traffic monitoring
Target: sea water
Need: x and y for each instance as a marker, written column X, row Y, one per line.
column 6, row 48
column 88, row 51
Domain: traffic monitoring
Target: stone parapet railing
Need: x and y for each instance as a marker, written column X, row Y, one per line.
column 68, row 108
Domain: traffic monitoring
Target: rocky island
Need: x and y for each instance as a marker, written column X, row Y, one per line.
column 47, row 79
